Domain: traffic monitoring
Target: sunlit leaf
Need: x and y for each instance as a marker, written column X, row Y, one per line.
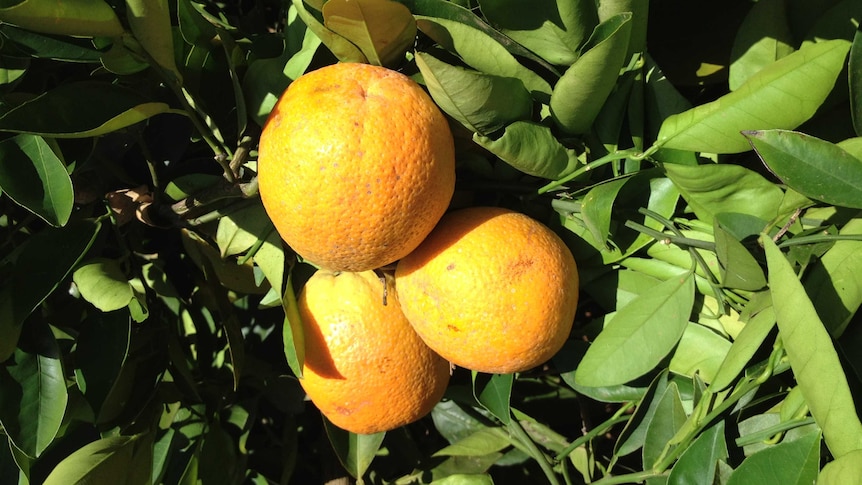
column 789, row 462
column 343, row 49
column 639, row 335
column 531, row 148
column 102, row 283
column 763, row 38
column 88, row 18
column 382, row 29
column 150, row 23
column 293, row 338
column 799, row 83
column 744, row 347
column 846, row 469
column 35, row 178
column 354, row 451
column 699, row 352
column 813, row 167
column 494, row 392
column 482, row 442
column 107, row 460
column 812, row 356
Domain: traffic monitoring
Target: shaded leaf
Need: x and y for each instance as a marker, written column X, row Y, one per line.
column 354, row 451
column 382, row 29
column 33, row 392
column 531, row 148
column 813, row 167
column 799, row 83
column 107, row 460
column 699, row 352
column 668, row 418
column 854, row 73
column 739, row 269
column 342, row 48
column 698, row 462
column 494, row 392
column 639, row 335
column 482, row 102
column 712, row 189
column 763, row 38
column 834, row 285
column 789, row 462
column 582, row 90
column 87, row 18
column 44, row 46
column 102, row 347
column 812, row 356
column 746, row 344
column 597, row 206
column 80, row 109
column 553, row 29
column 632, row 436
column 35, row 178
column 65, row 246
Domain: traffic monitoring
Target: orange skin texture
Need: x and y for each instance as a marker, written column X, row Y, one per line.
column 356, row 165
column 490, row 290
column 365, row 368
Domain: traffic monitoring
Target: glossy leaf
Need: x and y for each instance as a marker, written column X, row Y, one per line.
column 799, row 82
column 80, row 109
column 494, row 392
column 270, row 259
column 382, row 29
column 582, row 90
column 481, row 52
column 531, row 148
column 789, row 462
column 553, row 29
column 846, row 469
column 639, row 336
column 35, row 178
column 114, row 459
column 698, row 462
column 763, row 38
column 354, row 451
column 343, row 49
column 102, row 283
column 45, row 46
column 65, row 246
column 87, row 18
column 150, row 23
column 744, row 347
column 481, row 102
column 238, row 231
column 812, row 356
column 712, row 189
column 33, row 392
column 813, row 167
column 834, row 284
column 293, row 338
column 597, row 206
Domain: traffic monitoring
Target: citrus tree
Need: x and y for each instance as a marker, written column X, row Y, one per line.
column 703, row 164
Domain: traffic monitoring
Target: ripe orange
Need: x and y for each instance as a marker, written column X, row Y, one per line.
column 365, row 368
column 356, row 165
column 491, row 290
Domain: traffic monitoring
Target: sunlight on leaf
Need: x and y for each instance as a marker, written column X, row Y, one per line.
column 382, row 29
column 89, row 18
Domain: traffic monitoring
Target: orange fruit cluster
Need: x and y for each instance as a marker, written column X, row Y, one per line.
column 356, row 170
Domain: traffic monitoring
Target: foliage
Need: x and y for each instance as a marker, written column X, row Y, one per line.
column 703, row 162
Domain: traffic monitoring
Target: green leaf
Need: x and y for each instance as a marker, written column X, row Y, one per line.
column 739, row 269
column 763, row 38
column 494, row 392
column 799, row 83
column 51, row 254
column 531, row 148
column 80, row 109
column 150, row 23
column 482, row 102
column 292, row 335
column 582, row 90
column 271, row 261
column 812, row 356
column 194, row 28
column 465, row 479
column 218, row 457
column 115, row 459
column 789, row 462
column 239, row 230
column 712, row 189
column 698, row 462
column 382, row 29
column 482, row 442
column 33, row 391
column 102, row 347
column 553, row 29
column 640, row 335
column 699, row 352
column 354, row 451
column 846, row 469
column 854, row 75
column 597, row 207
column 668, row 418
column 482, row 52
column 33, row 176
column 813, row 167
column 632, row 436
column 834, row 285
column 102, row 283
column 342, row 48
column 86, row 18
column 749, row 340
column 45, row 47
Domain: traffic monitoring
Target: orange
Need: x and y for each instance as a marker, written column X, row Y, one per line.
column 365, row 368
column 356, row 165
column 491, row 290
